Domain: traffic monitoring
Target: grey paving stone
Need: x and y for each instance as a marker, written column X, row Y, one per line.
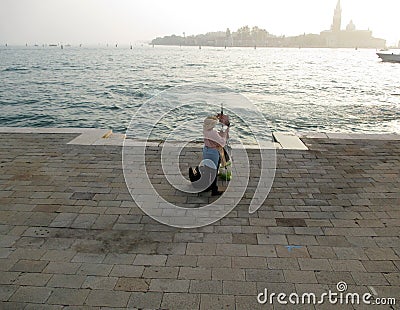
column 58, row 243
column 88, row 246
column 145, row 300
column 83, row 196
column 313, row 231
column 6, row 291
column 247, row 303
column 397, row 264
column 271, row 239
column 132, row 284
column 188, row 237
column 281, row 230
column 58, row 255
column 217, row 302
column 84, row 220
column 393, row 278
column 291, row 251
column 8, row 277
column 31, row 306
column 27, row 254
column 249, row 262
column 333, row 241
column 345, row 189
column 160, row 272
column 8, row 305
column 317, row 289
column 171, row 248
column 25, row 265
column 381, row 254
column 150, row 260
column 90, row 269
column 88, row 258
column 40, row 219
column 180, row 301
column 283, row 263
column 117, row 258
column 321, row 252
column 5, row 252
column 217, row 238
column 261, row 250
column 194, row 273
column 346, row 265
column 212, row 261
column 244, row 238
column 314, row 264
column 169, row 285
column 303, row 240
column 318, row 223
column 7, row 263
column 100, row 283
column 127, row 271
column 231, row 250
column 181, row 260
column 63, row 220
column 31, row 294
column 68, row 296
column 62, row 267
column 239, row 288
column 359, row 231
column 299, row 276
column 393, row 242
column 350, row 253
column 333, row 277
column 257, row 275
column 29, row 242
column 370, row 278
column 105, row 221
column 66, row 280
column 206, row 287
column 201, row 249
column 228, row 274
column 32, row 279
column 105, row 298
column 379, row 266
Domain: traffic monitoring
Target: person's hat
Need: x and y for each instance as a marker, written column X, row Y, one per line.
column 210, row 122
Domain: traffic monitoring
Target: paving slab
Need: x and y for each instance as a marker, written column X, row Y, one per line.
column 289, row 141
column 71, row 235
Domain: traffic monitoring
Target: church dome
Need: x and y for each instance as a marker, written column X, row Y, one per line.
column 351, row 26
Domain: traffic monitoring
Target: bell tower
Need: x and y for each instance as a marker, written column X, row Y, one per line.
column 337, row 18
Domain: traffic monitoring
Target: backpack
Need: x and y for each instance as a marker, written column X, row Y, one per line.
column 202, row 177
column 194, row 174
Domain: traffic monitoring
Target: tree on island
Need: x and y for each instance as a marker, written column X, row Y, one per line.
column 244, row 36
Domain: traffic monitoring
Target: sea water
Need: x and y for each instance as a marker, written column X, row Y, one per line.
column 324, row 90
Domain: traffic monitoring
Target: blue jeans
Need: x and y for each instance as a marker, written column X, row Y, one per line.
column 212, row 154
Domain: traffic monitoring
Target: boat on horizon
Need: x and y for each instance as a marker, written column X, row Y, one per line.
column 386, row 57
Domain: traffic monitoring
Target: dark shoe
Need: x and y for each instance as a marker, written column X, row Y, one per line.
column 217, row 193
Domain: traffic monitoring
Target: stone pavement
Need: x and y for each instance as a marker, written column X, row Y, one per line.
column 71, row 236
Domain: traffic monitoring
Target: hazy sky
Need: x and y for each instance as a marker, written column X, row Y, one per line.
column 125, row 21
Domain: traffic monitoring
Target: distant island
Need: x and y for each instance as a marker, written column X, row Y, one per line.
column 257, row 37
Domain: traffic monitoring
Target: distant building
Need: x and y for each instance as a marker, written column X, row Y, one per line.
column 245, row 36
column 350, row 37
column 337, row 18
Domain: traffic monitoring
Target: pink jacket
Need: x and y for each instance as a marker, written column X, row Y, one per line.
column 215, row 139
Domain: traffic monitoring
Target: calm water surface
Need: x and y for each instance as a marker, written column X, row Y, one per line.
column 329, row 90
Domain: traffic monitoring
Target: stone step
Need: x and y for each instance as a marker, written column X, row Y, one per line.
column 289, row 141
